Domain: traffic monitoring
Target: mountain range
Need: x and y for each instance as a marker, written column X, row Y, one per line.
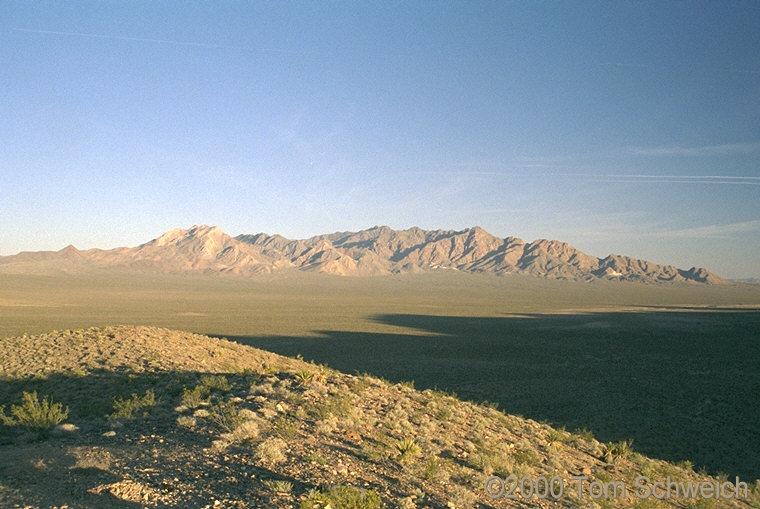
column 376, row 251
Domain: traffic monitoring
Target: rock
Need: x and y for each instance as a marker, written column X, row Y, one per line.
column 65, row 429
column 354, row 436
column 111, row 433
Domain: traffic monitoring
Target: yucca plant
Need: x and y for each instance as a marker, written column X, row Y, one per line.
column 615, row 450
column 278, row 486
column 407, row 448
column 304, row 376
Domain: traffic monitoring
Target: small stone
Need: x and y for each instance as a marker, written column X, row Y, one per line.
column 111, row 433
column 65, row 429
column 586, row 471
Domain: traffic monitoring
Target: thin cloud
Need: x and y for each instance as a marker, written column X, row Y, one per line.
column 677, row 151
column 711, row 231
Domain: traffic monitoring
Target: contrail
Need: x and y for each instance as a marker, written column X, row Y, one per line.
column 644, row 181
column 697, row 177
column 670, row 179
column 142, row 39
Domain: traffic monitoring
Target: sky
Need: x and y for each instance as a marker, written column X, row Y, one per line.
column 620, row 127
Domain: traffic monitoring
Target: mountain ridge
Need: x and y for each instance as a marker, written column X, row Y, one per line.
column 379, row 250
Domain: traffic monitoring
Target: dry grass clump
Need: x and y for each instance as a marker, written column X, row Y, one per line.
column 272, row 450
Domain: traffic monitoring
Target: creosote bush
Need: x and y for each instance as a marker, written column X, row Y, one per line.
column 33, row 413
column 134, row 406
column 195, row 397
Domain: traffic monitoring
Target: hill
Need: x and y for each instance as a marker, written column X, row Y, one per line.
column 377, row 251
column 161, row 418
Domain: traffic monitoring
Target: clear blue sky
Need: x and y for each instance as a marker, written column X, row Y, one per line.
column 620, row 127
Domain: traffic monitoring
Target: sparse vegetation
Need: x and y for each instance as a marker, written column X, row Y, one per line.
column 134, row 406
column 216, row 383
column 385, row 438
column 227, row 415
column 195, row 397
column 342, row 496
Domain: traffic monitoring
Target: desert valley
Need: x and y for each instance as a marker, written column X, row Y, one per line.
column 361, row 369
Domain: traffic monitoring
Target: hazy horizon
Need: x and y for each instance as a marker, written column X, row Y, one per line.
column 619, row 128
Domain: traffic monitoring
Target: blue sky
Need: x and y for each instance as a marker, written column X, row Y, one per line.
column 620, row 127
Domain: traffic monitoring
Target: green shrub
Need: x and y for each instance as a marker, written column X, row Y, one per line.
column 317, row 458
column 195, row 397
column 33, row 413
column 343, row 497
column 134, row 406
column 216, row 382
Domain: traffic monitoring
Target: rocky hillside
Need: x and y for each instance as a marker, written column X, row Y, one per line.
column 377, row 251
column 130, row 417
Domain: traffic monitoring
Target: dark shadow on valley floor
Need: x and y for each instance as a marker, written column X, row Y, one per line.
column 682, row 385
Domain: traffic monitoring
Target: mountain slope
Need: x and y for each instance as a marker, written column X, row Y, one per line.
column 162, row 418
column 376, row 251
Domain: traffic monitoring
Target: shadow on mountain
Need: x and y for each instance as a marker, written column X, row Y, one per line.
column 682, row 385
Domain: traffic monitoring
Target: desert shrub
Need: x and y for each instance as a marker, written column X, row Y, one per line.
column 216, row 382
column 248, row 431
column 134, row 406
column 491, row 462
column 338, row 405
column 462, row 497
column 186, row 421
column 556, row 436
column 33, row 413
column 285, row 427
column 527, row 457
column 226, row 415
column 271, row 450
column 316, row 457
column 343, row 496
column 431, row 468
column 195, row 397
